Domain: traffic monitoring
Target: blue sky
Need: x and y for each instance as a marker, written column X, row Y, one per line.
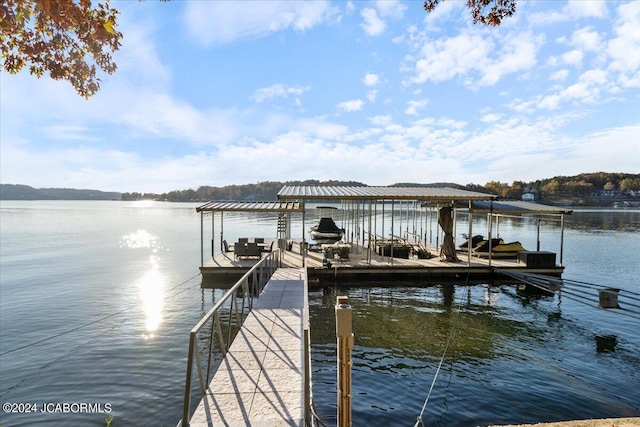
column 221, row 92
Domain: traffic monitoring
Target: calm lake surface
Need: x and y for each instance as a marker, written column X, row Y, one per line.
column 124, row 276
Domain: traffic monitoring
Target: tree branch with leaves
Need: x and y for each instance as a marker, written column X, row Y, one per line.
column 486, row 12
column 68, row 39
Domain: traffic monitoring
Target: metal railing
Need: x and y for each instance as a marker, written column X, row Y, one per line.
column 249, row 286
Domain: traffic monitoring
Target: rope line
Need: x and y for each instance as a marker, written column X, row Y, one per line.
column 419, row 421
column 93, row 322
column 433, row 383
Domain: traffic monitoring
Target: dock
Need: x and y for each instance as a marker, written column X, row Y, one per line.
column 262, row 379
column 372, row 222
column 222, row 270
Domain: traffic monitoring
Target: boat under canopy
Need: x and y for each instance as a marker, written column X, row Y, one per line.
column 326, row 231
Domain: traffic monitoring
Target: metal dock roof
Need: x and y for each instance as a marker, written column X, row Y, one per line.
column 228, row 206
column 379, row 193
column 517, row 207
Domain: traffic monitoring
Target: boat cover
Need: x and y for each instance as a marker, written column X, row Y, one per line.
column 326, row 225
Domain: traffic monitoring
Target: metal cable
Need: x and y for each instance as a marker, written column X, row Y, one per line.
column 572, row 291
column 419, row 421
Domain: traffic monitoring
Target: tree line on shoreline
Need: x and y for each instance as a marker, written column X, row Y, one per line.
column 596, row 188
column 588, row 189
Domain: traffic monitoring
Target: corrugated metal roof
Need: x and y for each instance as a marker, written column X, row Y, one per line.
column 228, row 206
column 379, row 193
column 517, row 207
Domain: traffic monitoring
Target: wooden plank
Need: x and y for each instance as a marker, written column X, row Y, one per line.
column 261, row 380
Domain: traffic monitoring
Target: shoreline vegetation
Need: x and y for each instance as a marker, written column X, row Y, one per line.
column 599, row 189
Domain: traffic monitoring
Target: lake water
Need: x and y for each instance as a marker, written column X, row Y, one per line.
column 97, row 300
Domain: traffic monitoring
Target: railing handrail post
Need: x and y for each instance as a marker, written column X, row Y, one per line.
column 187, row 386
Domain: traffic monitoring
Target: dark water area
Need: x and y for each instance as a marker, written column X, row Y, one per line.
column 97, row 300
column 511, row 358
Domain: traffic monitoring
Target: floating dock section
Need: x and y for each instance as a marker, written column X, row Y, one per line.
column 224, row 269
column 262, row 379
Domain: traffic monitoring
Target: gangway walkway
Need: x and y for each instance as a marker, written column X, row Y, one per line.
column 261, row 381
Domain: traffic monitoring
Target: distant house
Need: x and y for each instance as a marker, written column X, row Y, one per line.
column 528, row 197
column 608, row 193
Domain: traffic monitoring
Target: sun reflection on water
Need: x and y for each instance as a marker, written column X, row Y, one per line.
column 151, row 287
column 140, row 239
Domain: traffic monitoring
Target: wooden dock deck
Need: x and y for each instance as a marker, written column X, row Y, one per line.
column 261, row 381
column 224, row 269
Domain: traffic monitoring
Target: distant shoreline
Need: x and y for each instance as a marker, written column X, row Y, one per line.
column 599, row 190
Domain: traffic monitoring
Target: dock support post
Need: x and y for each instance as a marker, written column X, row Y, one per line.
column 363, row 233
column 392, row 212
column 202, row 240
column 221, row 230
column 561, row 237
column 369, row 236
column 375, row 226
column 382, row 230
column 455, row 221
column 490, row 230
column 344, row 334
column 469, row 247
column 213, row 234
column 437, row 231
column 304, row 242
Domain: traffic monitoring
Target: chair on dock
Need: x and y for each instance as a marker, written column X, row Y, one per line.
column 253, row 250
column 259, row 240
column 268, row 249
column 243, row 240
column 240, row 249
column 226, row 247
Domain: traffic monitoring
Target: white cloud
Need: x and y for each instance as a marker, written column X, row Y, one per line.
column 69, row 133
column 371, row 79
column 573, row 57
column 414, row 106
column 372, row 24
column 517, row 54
column 559, row 75
column 472, row 53
column 381, row 120
column 615, row 64
column 586, row 9
column 391, row 8
column 491, row 117
column 220, row 22
column 372, row 95
column 349, row 106
column 573, row 10
column 587, row 89
column 279, row 90
column 443, row 14
column 587, row 39
column 624, row 49
column 443, row 59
